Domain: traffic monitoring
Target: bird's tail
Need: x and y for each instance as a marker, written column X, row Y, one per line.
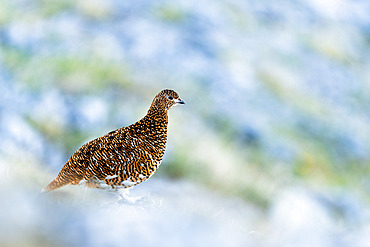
column 55, row 184
column 64, row 177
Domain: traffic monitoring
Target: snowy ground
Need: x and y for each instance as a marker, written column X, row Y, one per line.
column 171, row 213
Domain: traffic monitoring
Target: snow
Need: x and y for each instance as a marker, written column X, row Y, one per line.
column 166, row 212
column 170, row 213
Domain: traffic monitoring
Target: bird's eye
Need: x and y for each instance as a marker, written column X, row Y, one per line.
column 170, row 97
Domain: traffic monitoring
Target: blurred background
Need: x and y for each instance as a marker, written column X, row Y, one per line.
column 271, row 149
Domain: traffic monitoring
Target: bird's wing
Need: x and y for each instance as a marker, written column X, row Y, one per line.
column 109, row 155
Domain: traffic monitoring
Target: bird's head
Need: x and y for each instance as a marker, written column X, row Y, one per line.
column 165, row 99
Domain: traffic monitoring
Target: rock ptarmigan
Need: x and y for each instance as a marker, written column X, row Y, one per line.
column 124, row 157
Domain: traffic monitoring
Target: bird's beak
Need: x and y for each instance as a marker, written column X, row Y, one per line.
column 179, row 101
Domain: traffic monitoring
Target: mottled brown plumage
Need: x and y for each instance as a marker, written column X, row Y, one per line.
column 124, row 157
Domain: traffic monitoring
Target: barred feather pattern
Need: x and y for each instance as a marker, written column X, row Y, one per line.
column 124, row 157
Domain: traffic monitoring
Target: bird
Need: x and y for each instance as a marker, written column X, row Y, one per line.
column 124, row 157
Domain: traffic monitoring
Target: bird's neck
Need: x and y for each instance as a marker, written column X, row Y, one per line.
column 153, row 126
column 157, row 121
column 158, row 108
